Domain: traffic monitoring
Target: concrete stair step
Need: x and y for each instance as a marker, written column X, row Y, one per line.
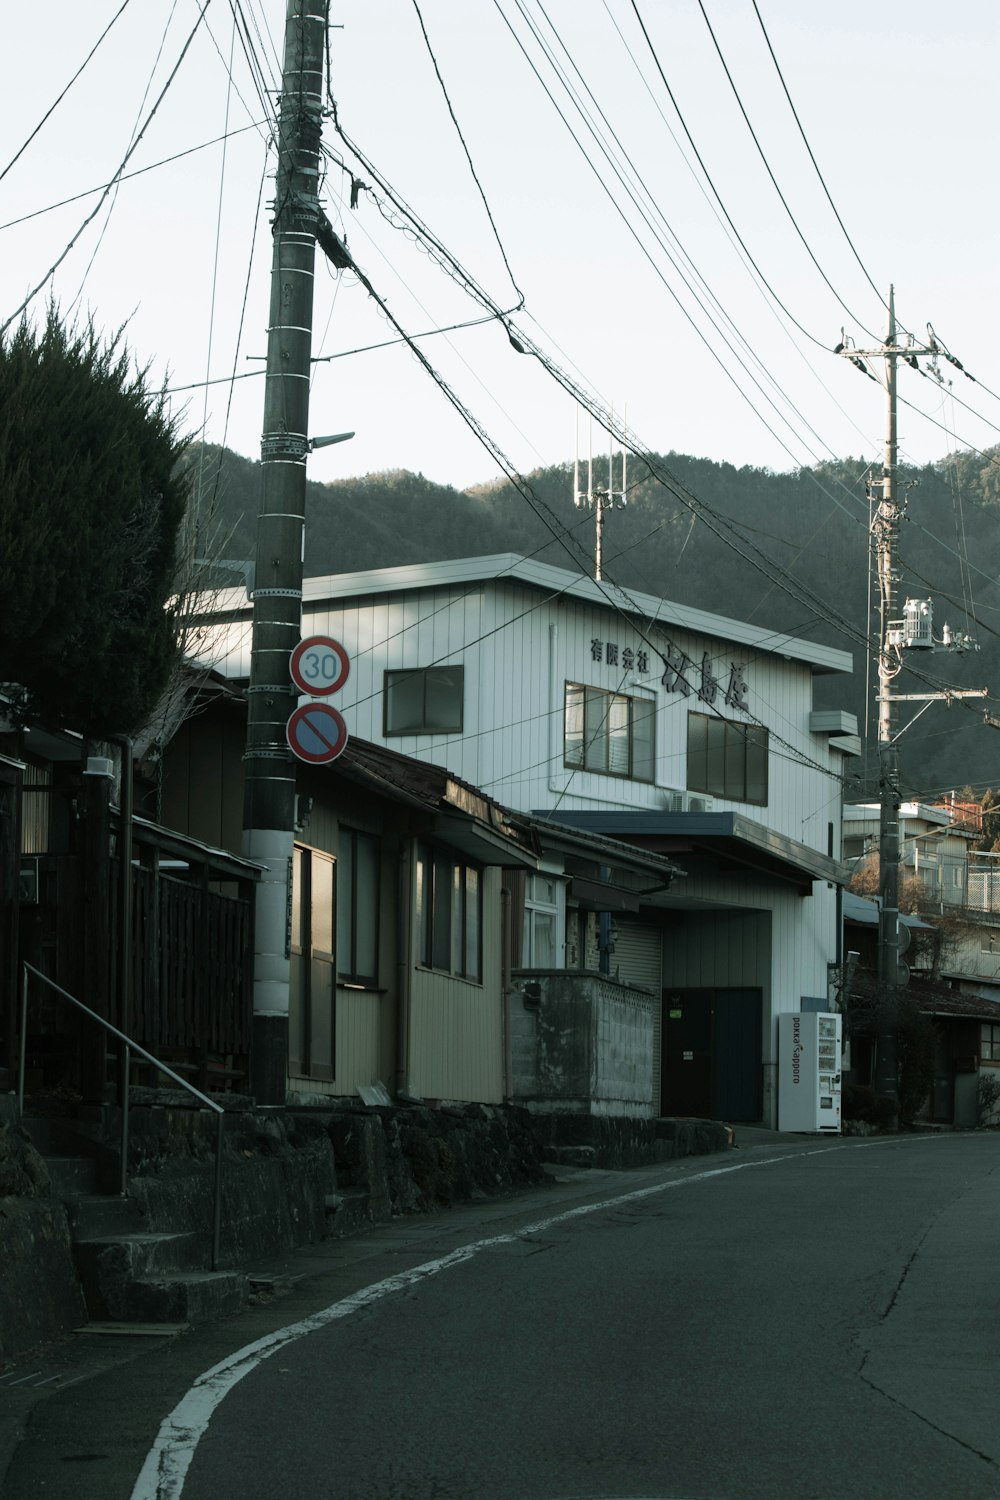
column 193, row 1297
column 71, row 1176
column 110, row 1265
column 55, row 1135
column 103, row 1216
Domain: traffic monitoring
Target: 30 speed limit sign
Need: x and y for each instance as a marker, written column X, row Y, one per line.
column 319, row 665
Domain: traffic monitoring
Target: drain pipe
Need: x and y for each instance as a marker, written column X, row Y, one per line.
column 125, row 814
column 506, row 985
column 404, row 958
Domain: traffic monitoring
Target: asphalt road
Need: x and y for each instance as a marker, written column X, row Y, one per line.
column 814, row 1319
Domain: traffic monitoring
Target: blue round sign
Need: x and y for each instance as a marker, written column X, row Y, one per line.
column 316, row 733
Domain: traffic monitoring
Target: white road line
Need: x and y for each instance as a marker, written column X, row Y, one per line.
column 165, row 1469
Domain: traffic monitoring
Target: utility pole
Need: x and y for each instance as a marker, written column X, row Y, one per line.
column 269, row 769
column 601, row 499
column 915, row 632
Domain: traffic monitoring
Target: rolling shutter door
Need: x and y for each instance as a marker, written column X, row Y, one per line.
column 638, row 960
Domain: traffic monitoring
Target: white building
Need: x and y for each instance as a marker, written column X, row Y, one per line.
column 626, row 715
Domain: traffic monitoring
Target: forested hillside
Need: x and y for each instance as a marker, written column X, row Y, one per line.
column 813, row 523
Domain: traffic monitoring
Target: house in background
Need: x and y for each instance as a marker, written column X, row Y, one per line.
column 964, row 1005
column 933, row 848
column 623, row 717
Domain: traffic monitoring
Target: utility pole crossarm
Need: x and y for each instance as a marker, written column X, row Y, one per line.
column 943, row 697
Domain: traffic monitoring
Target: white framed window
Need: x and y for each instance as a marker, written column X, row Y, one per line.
column 544, row 944
column 609, row 732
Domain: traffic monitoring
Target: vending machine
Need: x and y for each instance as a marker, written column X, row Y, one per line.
column 809, row 1072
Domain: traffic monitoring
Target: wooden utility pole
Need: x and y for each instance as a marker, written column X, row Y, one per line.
column 269, row 797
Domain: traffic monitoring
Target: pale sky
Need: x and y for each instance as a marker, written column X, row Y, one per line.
column 896, row 97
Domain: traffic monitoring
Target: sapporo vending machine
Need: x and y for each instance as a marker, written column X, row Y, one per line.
column 809, row 1072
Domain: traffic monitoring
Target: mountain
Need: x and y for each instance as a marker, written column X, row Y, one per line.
column 811, row 523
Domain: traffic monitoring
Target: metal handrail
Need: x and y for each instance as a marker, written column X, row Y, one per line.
column 130, row 1047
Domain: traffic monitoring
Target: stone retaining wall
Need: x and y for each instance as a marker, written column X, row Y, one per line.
column 40, row 1296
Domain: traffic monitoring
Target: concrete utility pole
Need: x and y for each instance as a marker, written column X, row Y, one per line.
column 893, row 636
column 269, row 797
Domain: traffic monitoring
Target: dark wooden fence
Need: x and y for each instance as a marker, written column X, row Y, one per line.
column 189, row 993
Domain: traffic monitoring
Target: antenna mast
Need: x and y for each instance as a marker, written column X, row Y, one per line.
column 604, row 497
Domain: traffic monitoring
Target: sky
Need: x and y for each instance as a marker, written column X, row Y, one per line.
column 654, row 312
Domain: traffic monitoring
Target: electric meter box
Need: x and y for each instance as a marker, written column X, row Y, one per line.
column 809, row 1072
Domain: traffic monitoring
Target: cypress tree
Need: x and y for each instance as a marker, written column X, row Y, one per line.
column 90, row 508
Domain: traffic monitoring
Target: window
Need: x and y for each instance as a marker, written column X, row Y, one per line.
column 727, row 759
column 312, row 1000
column 541, row 947
column 36, row 800
column 449, row 913
column 609, row 732
column 989, row 1046
column 357, row 906
column 426, row 700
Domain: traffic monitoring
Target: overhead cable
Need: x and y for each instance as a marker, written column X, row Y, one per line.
column 91, row 216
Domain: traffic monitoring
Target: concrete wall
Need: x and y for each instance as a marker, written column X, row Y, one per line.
column 586, row 1048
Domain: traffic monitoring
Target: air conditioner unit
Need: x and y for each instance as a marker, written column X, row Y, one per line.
column 694, row 802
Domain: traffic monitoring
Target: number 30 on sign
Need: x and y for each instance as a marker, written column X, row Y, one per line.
column 319, row 665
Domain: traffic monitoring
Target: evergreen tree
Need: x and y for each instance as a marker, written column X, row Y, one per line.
column 90, row 507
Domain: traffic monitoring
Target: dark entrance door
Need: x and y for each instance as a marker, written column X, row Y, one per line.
column 711, row 1062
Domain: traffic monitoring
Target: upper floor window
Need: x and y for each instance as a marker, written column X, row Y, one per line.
column 424, row 700
column 609, row 732
column 727, row 759
column 357, row 906
column 449, row 913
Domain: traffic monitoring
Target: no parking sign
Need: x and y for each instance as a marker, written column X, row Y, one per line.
column 316, row 733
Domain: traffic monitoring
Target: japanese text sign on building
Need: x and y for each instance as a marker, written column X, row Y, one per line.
column 676, row 667
column 627, row 657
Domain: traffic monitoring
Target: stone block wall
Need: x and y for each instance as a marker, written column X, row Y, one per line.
column 40, row 1295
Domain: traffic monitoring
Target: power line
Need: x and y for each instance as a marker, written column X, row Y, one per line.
column 468, row 156
column 59, row 99
column 636, row 184
column 767, row 168
column 805, row 142
column 58, row 262
column 708, row 178
column 128, row 176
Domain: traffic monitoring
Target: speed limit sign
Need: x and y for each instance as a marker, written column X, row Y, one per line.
column 319, row 665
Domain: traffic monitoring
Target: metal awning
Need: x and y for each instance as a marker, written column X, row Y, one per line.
column 480, row 842
column 728, row 838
